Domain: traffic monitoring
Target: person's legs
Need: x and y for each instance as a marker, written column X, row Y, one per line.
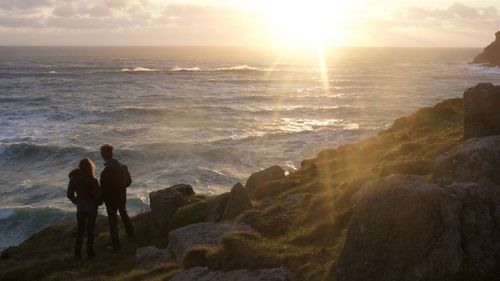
column 126, row 220
column 81, row 218
column 113, row 226
column 91, row 234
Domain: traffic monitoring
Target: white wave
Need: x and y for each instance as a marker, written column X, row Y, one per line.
column 53, row 72
column 351, row 127
column 138, row 69
column 228, row 69
column 238, row 68
column 17, row 224
column 481, row 68
column 6, row 213
column 177, row 69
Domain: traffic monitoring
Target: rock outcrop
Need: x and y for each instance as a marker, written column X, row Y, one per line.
column 229, row 205
column 216, row 207
column 238, row 202
column 204, row 274
column 405, row 228
column 272, row 188
column 150, row 257
column 165, row 202
column 181, row 240
column 470, row 161
column 491, row 54
column 261, row 177
column 481, row 109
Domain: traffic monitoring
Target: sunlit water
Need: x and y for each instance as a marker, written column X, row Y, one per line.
column 204, row 116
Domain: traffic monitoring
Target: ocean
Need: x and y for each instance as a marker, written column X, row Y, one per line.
column 206, row 116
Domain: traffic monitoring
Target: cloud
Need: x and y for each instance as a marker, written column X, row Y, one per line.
column 157, row 22
column 458, row 16
column 11, row 21
column 12, row 5
column 106, row 19
column 108, row 14
column 456, row 25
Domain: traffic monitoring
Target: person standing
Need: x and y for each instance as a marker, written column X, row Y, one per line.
column 115, row 178
column 83, row 182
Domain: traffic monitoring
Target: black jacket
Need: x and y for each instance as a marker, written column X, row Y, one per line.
column 115, row 179
column 88, row 193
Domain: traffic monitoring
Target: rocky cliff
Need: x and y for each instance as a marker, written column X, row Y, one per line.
column 491, row 54
column 415, row 202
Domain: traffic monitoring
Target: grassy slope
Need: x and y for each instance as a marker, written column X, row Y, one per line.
column 305, row 236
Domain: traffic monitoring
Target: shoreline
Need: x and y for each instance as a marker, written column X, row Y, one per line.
column 288, row 196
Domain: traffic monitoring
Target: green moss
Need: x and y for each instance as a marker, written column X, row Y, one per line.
column 189, row 214
column 200, row 256
column 305, row 236
column 325, row 233
column 273, row 188
column 415, row 167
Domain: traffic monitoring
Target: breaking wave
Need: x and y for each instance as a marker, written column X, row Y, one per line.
column 18, row 223
column 184, row 69
column 138, row 69
column 237, row 68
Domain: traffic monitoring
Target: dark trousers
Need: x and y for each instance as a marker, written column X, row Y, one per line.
column 85, row 223
column 113, row 223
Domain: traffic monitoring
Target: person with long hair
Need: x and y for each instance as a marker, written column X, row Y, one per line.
column 84, row 184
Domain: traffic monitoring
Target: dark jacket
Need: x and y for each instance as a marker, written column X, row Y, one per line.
column 88, row 193
column 115, row 179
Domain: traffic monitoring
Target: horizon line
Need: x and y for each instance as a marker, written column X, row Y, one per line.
column 237, row 46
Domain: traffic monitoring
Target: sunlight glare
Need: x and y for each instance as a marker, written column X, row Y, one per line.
column 306, row 24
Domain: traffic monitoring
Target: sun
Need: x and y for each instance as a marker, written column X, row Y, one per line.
column 306, row 23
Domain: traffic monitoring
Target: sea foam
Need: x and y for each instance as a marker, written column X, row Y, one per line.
column 138, row 69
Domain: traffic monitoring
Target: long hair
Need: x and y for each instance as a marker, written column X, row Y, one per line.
column 87, row 167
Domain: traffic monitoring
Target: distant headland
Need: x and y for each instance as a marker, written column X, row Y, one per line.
column 491, row 54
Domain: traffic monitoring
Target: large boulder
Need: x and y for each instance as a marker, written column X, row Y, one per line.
column 491, row 54
column 204, row 274
column 469, row 161
column 405, row 228
column 150, row 257
column 216, row 207
column 183, row 239
column 273, row 188
column 238, row 202
column 270, row 174
column 481, row 109
column 165, row 202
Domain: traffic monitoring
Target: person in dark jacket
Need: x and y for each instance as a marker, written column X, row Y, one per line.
column 84, row 184
column 115, row 179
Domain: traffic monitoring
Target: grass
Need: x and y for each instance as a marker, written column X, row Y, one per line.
column 306, row 235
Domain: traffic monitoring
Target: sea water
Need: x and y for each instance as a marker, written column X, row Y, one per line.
column 204, row 116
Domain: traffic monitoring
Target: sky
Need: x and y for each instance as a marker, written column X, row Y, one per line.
column 399, row 23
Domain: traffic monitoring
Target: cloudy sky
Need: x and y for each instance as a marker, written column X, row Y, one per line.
column 436, row 23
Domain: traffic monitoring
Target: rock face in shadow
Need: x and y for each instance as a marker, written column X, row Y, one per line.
column 261, row 177
column 482, row 111
column 491, row 54
column 229, row 205
column 181, row 240
column 216, row 207
column 238, row 202
column 165, row 202
column 150, row 257
column 405, row 228
column 272, row 188
column 203, row 274
column 470, row 161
